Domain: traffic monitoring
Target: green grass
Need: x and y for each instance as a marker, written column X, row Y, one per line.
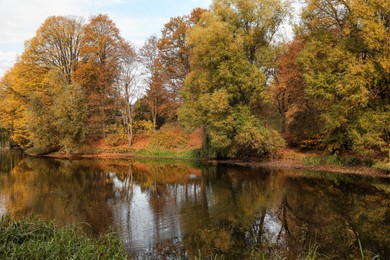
column 311, row 254
column 160, row 153
column 36, row 239
column 32, row 238
column 338, row 160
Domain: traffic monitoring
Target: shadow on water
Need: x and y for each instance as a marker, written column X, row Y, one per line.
column 9, row 159
column 168, row 209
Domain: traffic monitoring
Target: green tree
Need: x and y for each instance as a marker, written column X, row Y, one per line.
column 70, row 112
column 346, row 72
column 225, row 90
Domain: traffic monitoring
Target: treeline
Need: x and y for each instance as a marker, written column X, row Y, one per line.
column 223, row 69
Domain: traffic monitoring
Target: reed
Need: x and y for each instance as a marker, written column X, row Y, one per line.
column 31, row 238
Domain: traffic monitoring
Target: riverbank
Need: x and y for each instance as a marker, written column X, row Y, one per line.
column 299, row 165
column 289, row 159
column 172, row 142
column 294, row 159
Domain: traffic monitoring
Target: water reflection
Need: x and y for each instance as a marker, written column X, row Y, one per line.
column 176, row 209
column 9, row 159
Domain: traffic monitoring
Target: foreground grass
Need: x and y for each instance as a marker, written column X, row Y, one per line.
column 36, row 239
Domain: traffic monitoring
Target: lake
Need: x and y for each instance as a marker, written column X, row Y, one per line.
column 165, row 209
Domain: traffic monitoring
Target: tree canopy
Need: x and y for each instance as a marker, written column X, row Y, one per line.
column 224, row 70
column 226, row 89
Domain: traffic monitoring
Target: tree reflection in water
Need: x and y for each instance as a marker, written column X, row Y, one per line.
column 176, row 209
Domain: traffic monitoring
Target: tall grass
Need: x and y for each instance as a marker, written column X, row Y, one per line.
column 36, row 239
column 311, row 254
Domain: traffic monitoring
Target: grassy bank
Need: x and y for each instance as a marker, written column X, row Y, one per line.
column 162, row 153
column 173, row 142
column 170, row 141
column 36, row 239
column 346, row 161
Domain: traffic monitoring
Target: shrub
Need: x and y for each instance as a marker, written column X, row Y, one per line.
column 169, row 137
column 312, row 143
column 113, row 139
column 143, row 127
column 385, row 166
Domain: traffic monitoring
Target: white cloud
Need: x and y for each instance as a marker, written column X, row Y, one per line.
column 204, row 3
column 7, row 59
column 19, row 19
column 138, row 29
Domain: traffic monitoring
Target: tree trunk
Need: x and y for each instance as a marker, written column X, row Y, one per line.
column 283, row 122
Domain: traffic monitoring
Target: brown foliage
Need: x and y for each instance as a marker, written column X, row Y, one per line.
column 287, row 90
column 100, row 64
column 174, row 57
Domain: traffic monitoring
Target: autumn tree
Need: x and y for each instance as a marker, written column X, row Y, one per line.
column 46, row 105
column 287, row 88
column 166, row 64
column 226, row 87
column 346, row 72
column 56, row 108
column 57, row 45
column 71, row 80
column 13, row 104
column 128, row 86
column 299, row 113
column 71, row 114
column 174, row 57
column 155, row 79
column 99, row 70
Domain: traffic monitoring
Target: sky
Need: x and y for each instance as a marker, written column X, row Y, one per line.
column 136, row 19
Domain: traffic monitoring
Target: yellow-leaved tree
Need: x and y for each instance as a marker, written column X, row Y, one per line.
column 347, row 74
column 47, row 107
column 226, row 89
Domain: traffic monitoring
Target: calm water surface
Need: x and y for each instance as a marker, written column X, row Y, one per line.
column 168, row 209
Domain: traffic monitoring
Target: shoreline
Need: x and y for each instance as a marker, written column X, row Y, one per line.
column 298, row 165
column 284, row 163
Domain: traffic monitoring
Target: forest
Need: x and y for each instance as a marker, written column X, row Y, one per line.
column 225, row 70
